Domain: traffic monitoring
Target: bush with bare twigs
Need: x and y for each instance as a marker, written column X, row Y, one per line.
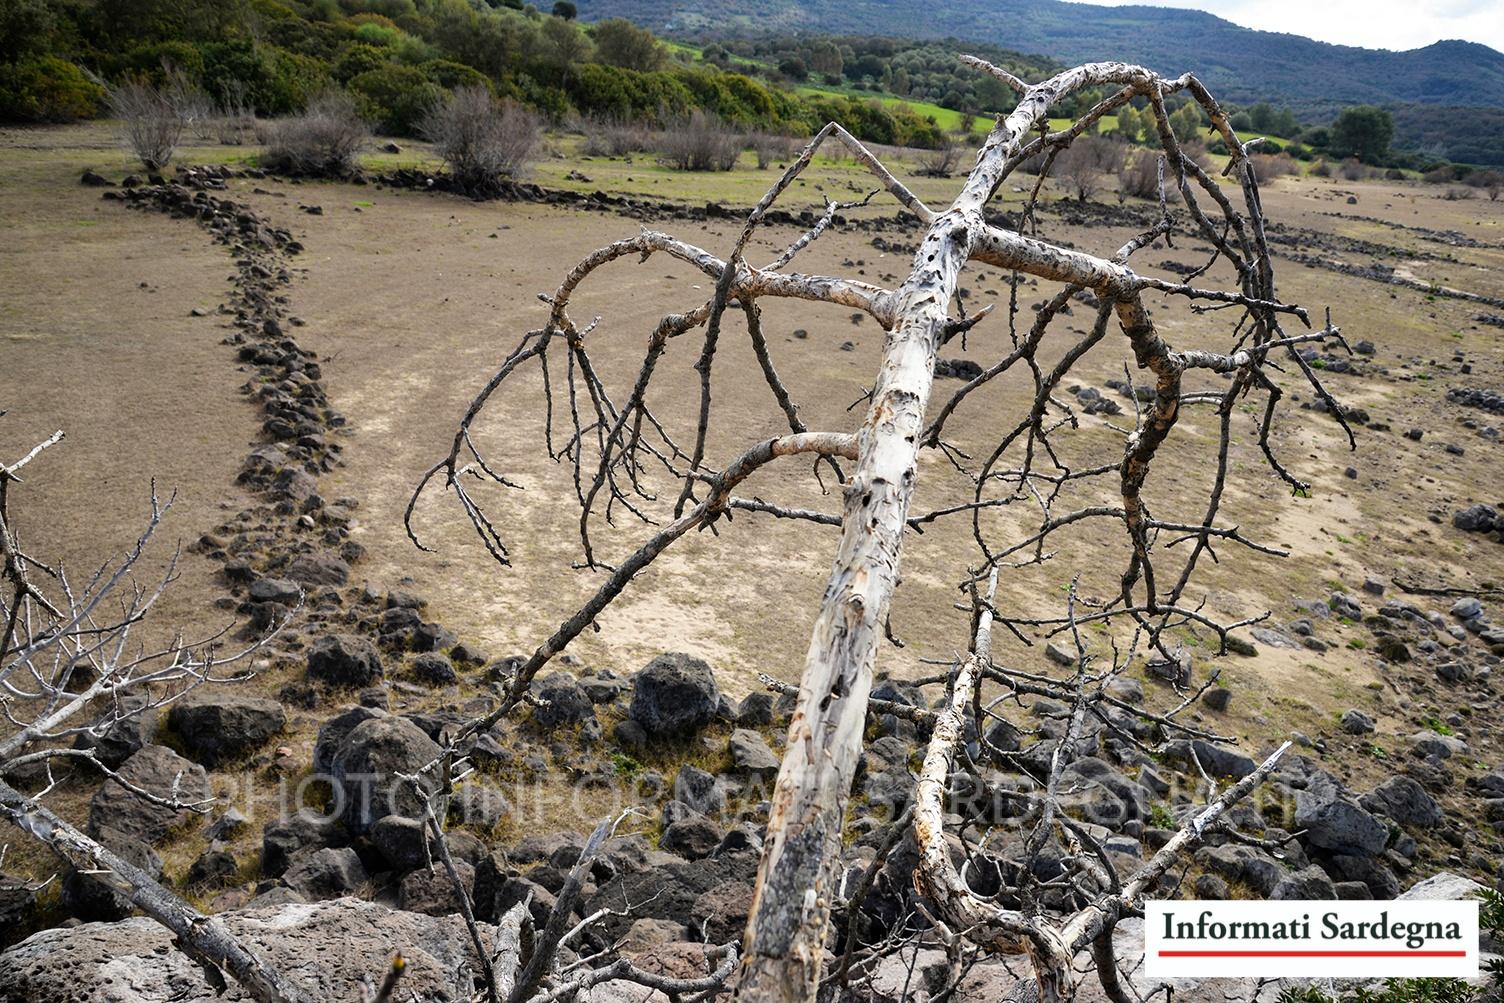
column 324, row 141
column 940, row 163
column 700, row 142
column 194, row 107
column 1140, row 177
column 1081, row 167
column 613, row 137
column 1353, row 169
column 770, row 148
column 483, row 141
column 235, row 115
column 1491, row 182
column 1268, row 167
column 151, row 122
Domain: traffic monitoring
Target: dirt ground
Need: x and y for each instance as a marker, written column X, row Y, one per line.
column 412, row 299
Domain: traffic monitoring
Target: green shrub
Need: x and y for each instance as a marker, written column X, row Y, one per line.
column 396, row 98
column 359, row 58
column 452, row 76
column 148, row 61
column 377, row 34
column 614, row 92
column 275, row 81
column 47, row 89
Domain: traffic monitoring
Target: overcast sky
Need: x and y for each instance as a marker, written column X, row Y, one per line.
column 1374, row 24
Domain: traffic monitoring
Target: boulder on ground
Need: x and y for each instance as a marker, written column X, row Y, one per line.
column 1405, row 801
column 284, row 838
column 1334, row 823
column 702, row 791
column 433, row 669
column 344, row 660
column 674, row 695
column 1355, row 722
column 134, row 961
column 90, row 897
column 750, row 755
column 332, row 734
column 319, row 569
column 692, row 837
column 366, row 766
column 216, row 728
column 564, row 702
column 326, row 874
column 19, row 909
column 1308, row 883
column 164, row 773
column 431, row 891
column 134, row 727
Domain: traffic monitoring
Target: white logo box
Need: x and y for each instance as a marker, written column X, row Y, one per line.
column 1311, row 939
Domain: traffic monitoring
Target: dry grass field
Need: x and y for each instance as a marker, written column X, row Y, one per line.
column 411, row 299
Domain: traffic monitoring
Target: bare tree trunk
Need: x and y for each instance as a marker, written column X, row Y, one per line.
column 786, row 931
column 795, row 890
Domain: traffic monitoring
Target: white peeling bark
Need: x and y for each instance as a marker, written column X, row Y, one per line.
column 795, row 890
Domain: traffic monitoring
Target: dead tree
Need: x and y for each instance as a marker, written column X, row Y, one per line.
column 616, row 446
column 70, row 668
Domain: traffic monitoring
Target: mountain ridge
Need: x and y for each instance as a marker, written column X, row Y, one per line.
column 1236, row 63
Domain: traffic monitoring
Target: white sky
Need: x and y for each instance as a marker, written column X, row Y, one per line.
column 1373, row 24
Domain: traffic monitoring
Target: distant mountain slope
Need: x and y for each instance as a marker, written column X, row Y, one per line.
column 1237, row 63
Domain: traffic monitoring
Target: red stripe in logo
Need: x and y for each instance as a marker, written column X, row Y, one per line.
column 1313, row 954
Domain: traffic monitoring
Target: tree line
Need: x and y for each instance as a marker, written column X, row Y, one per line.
column 396, row 59
column 399, row 59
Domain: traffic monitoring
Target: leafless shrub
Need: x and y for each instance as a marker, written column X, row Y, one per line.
column 152, row 125
column 1353, row 169
column 324, row 141
column 770, row 148
column 1321, row 168
column 1459, row 194
column 700, row 142
column 940, row 163
column 194, row 107
column 1081, row 167
column 483, row 141
column 1440, row 175
column 1034, row 165
column 1268, row 167
column 1140, row 177
column 236, row 118
column 610, row 137
column 1491, row 182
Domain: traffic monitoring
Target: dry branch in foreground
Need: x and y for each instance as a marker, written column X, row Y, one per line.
column 618, row 449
